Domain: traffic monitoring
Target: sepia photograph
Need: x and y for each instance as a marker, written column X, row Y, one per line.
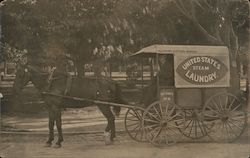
column 124, row 78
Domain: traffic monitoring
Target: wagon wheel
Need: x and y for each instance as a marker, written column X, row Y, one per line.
column 162, row 123
column 133, row 124
column 194, row 127
column 226, row 116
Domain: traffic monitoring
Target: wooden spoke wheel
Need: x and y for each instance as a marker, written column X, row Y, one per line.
column 162, row 122
column 133, row 124
column 226, row 117
column 194, row 127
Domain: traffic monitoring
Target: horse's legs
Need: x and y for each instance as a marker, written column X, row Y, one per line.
column 111, row 121
column 58, row 118
column 51, row 127
column 106, row 111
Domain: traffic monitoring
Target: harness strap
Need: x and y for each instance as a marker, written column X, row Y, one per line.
column 50, row 78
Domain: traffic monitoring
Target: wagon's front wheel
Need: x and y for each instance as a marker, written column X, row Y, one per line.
column 225, row 115
column 133, row 124
column 162, row 123
column 194, row 127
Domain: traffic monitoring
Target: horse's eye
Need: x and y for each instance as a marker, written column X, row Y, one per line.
column 25, row 70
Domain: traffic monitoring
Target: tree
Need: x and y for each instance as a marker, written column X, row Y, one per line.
column 225, row 20
column 76, row 27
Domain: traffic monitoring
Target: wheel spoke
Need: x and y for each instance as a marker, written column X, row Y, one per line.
column 135, row 128
column 222, row 131
column 173, row 117
column 173, row 125
column 238, row 116
column 137, row 115
column 203, row 130
column 155, row 109
column 195, row 128
column 168, row 136
column 232, row 129
column 150, row 126
column 155, row 136
column 166, row 114
column 234, row 124
column 237, row 121
column 129, row 125
column 216, row 105
column 153, row 130
column 220, row 102
column 188, row 124
column 191, row 128
column 236, row 107
column 161, row 111
column 149, row 120
column 212, row 116
column 229, row 107
column 213, row 110
column 153, row 116
column 226, row 102
column 137, row 132
column 171, row 129
column 131, row 119
column 133, row 114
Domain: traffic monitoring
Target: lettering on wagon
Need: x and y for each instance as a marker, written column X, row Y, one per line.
column 202, row 70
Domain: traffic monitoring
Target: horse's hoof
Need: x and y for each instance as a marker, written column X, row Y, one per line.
column 57, row 146
column 47, row 145
column 109, row 142
column 107, row 138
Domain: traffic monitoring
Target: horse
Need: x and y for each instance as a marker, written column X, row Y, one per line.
column 57, row 83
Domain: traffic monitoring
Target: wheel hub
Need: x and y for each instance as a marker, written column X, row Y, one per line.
column 224, row 118
column 163, row 123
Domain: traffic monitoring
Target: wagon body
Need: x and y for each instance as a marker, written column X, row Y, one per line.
column 197, row 102
column 199, row 71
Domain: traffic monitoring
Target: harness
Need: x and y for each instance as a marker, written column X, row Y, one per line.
column 68, row 81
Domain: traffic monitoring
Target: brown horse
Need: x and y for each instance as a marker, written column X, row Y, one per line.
column 58, row 83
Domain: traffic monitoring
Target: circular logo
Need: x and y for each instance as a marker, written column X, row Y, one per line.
column 202, row 70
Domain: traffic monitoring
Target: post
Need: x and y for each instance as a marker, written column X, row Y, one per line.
column 1, row 96
column 5, row 67
column 142, row 73
column 110, row 69
column 157, row 77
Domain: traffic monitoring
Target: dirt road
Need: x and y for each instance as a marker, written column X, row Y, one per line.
column 92, row 146
column 30, row 144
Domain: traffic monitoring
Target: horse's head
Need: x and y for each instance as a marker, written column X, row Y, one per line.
column 23, row 76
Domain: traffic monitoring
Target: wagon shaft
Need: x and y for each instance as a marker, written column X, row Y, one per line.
column 99, row 102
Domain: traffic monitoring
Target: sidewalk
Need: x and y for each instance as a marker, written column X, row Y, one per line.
column 86, row 120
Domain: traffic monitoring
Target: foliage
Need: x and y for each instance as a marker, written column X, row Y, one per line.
column 49, row 30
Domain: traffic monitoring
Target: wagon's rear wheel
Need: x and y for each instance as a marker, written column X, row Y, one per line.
column 226, row 117
column 133, row 124
column 162, row 123
column 194, row 127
